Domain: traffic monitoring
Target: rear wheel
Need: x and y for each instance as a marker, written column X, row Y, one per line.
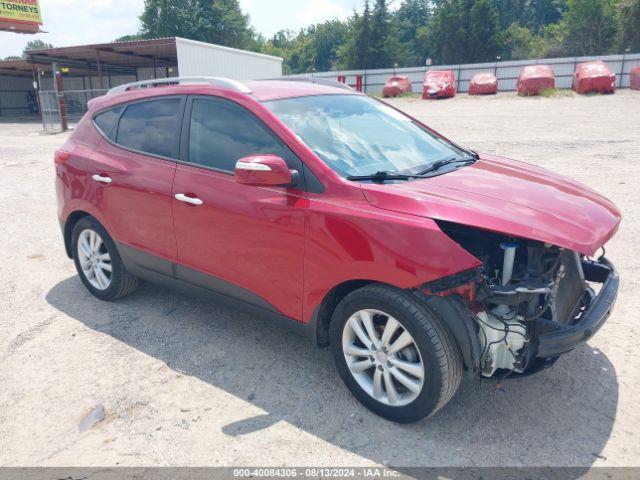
column 98, row 263
column 394, row 354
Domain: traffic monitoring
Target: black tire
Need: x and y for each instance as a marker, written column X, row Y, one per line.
column 122, row 283
column 439, row 351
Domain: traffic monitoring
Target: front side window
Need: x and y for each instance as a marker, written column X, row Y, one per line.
column 151, row 127
column 357, row 135
column 221, row 133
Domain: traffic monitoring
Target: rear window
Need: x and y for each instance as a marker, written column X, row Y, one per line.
column 151, row 127
column 106, row 120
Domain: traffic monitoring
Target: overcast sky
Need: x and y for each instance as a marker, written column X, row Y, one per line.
column 77, row 22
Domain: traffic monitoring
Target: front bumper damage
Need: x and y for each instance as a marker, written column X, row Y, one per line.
column 563, row 338
column 457, row 299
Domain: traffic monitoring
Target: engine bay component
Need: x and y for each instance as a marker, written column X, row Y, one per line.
column 507, row 263
column 533, row 301
column 502, row 342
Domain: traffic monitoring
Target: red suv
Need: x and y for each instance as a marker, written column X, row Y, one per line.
column 412, row 258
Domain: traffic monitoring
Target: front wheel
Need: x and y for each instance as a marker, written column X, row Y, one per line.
column 394, row 354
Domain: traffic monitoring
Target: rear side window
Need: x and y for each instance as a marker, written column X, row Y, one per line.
column 106, row 120
column 220, row 133
column 151, row 127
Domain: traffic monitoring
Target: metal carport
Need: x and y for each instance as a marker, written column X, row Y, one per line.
column 87, row 71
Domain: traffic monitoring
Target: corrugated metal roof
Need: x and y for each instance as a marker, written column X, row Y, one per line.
column 116, row 57
column 15, row 67
column 138, row 53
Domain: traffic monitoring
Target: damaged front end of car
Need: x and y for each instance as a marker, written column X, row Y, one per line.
column 527, row 304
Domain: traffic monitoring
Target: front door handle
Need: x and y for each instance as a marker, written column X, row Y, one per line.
column 101, row 179
column 192, row 200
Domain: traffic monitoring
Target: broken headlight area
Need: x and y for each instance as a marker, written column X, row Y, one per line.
column 530, row 301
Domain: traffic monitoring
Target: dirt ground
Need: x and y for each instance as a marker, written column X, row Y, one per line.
column 187, row 382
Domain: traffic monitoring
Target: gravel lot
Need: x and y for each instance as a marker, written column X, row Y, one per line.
column 188, row 382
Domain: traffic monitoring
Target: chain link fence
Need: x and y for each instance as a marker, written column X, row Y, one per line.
column 50, row 111
column 75, row 102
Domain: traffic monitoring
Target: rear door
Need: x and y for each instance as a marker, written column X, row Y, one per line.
column 131, row 172
column 246, row 242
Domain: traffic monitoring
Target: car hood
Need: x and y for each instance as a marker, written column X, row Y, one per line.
column 509, row 197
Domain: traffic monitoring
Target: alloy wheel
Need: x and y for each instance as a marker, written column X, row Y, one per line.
column 383, row 357
column 94, row 259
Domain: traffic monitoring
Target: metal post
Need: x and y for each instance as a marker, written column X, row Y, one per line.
column 62, row 106
column 84, row 90
column 99, row 69
column 36, row 85
column 624, row 57
column 155, row 75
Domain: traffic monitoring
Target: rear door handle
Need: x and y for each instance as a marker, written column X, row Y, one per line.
column 101, row 179
column 192, row 200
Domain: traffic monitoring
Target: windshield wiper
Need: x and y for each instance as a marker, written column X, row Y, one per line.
column 382, row 175
column 447, row 161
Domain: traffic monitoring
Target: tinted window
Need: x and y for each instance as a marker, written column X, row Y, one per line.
column 221, row 133
column 106, row 120
column 151, row 127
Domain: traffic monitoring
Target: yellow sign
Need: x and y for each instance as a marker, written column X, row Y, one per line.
column 20, row 11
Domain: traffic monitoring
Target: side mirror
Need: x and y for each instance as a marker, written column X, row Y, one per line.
column 265, row 170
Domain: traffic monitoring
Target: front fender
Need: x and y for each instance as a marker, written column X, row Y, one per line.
column 346, row 243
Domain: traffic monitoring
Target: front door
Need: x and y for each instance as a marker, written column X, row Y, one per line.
column 243, row 241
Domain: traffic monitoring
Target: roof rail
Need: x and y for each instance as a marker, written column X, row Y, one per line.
column 320, row 81
column 213, row 81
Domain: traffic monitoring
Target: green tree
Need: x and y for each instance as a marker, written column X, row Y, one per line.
column 524, row 44
column 512, row 11
column 129, row 38
column 380, row 30
column 544, row 12
column 357, row 51
column 486, row 39
column 214, row 21
column 590, row 27
column 413, row 18
column 324, row 40
column 35, row 45
column 449, row 37
column 466, row 31
column 363, row 38
column 629, row 35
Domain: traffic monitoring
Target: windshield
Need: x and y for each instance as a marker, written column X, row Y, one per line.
column 357, row 135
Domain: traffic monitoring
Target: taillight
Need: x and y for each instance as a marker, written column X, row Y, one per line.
column 61, row 156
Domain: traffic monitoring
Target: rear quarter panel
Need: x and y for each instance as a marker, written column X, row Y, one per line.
column 72, row 178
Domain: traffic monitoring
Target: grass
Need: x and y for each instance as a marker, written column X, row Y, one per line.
column 556, row 92
column 402, row 95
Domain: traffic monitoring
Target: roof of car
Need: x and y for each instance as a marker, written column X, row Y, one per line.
column 261, row 90
column 265, row 90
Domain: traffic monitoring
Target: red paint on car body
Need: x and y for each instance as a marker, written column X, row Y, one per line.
column 291, row 247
